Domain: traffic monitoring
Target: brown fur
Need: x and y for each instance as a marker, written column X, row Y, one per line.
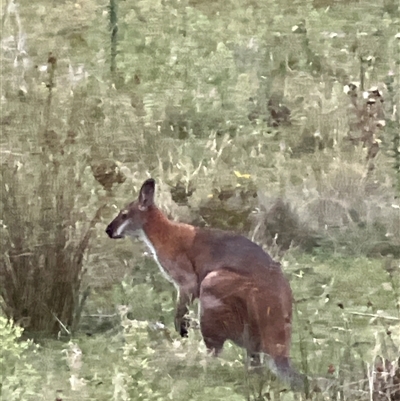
column 244, row 295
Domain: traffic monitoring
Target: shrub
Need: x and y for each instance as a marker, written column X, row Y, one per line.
column 44, row 231
column 19, row 379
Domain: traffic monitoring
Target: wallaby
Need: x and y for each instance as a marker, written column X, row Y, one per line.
column 244, row 295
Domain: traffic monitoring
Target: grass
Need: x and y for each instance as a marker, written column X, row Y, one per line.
column 148, row 363
column 189, row 102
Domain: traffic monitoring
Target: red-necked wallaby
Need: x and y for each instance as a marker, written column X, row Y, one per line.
column 244, row 296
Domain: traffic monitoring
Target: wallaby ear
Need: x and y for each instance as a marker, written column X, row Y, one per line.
column 146, row 194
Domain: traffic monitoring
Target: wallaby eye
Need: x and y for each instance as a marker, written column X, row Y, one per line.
column 124, row 214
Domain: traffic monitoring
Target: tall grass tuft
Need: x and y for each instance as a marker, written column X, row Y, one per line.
column 44, row 234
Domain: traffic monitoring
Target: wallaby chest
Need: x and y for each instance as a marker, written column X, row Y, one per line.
column 176, row 268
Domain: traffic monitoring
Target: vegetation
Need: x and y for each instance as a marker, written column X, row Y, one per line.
column 276, row 119
column 19, row 378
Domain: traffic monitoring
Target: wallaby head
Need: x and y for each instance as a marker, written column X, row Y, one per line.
column 131, row 219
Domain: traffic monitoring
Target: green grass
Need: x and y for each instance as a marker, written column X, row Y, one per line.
column 356, row 280
column 178, row 108
column 150, row 363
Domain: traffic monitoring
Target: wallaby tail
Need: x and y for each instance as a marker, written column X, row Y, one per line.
column 285, row 371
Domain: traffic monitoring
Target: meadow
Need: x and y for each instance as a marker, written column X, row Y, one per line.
column 276, row 119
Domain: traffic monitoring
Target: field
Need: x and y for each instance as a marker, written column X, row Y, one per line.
column 277, row 119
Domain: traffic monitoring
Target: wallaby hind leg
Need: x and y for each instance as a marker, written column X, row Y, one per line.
column 224, row 314
column 219, row 317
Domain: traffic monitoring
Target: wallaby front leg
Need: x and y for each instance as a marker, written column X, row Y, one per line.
column 182, row 324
